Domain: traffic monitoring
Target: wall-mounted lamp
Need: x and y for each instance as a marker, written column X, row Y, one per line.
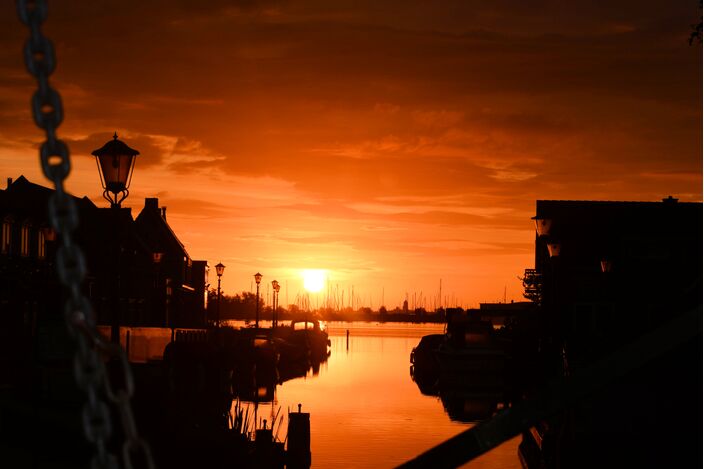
column 554, row 249
column 606, row 265
column 542, row 225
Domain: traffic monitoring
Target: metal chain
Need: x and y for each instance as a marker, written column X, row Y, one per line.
column 88, row 365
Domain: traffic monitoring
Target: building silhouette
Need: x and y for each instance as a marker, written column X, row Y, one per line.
column 606, row 274
column 176, row 275
column 617, row 269
column 501, row 314
column 137, row 268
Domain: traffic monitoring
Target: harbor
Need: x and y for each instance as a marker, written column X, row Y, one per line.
column 351, row 409
column 404, row 235
column 218, row 385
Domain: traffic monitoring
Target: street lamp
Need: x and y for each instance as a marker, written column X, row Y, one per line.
column 219, row 269
column 276, row 287
column 258, row 279
column 115, row 162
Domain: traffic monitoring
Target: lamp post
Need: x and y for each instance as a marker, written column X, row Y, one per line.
column 219, row 269
column 156, row 308
column 258, row 279
column 276, row 287
column 115, row 162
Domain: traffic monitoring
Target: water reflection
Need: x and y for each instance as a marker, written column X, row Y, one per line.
column 365, row 410
column 466, row 367
column 461, row 398
column 259, row 384
column 208, row 398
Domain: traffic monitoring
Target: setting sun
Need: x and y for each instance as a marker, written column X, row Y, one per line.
column 313, row 280
column 387, row 221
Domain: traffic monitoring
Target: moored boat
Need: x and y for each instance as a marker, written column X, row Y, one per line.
column 310, row 336
column 471, row 349
column 423, row 354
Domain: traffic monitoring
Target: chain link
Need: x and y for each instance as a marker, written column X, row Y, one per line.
column 88, row 366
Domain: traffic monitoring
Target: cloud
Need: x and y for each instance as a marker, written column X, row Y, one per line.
column 152, row 149
column 363, row 132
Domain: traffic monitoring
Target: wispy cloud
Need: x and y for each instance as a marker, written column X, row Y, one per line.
column 389, row 140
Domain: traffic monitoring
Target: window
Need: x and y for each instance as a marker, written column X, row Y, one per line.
column 5, row 246
column 24, row 240
column 41, row 245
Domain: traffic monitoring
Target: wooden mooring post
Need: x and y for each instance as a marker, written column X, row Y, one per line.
column 298, row 450
column 127, row 344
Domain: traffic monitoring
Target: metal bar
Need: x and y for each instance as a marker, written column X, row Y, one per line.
column 560, row 394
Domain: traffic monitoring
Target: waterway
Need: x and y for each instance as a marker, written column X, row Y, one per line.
column 366, row 411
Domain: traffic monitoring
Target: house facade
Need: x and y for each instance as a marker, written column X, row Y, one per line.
column 613, row 270
column 613, row 279
column 139, row 273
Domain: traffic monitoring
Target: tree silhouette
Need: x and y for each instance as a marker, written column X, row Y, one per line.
column 696, row 34
column 239, row 306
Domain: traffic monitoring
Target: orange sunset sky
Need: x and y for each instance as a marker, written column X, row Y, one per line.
column 393, row 143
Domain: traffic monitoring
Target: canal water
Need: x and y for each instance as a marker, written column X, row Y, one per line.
column 365, row 409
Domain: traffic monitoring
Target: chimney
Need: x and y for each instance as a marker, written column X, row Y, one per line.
column 9, row 182
column 151, row 203
column 669, row 200
column 163, row 213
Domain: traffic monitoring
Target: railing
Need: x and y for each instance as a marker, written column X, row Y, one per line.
column 558, row 395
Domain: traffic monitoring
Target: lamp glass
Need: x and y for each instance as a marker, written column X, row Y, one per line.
column 606, row 265
column 219, row 269
column 116, row 170
column 542, row 226
column 554, row 249
column 49, row 234
column 258, row 277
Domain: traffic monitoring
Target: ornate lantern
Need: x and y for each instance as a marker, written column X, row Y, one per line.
column 115, row 162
